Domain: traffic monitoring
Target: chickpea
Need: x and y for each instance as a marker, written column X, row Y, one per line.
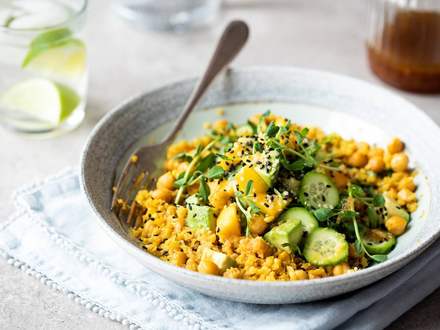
column 341, row 269
column 392, row 193
column 396, row 225
column 257, row 225
column 387, row 159
column 358, row 159
column 376, row 152
column 363, row 147
column 340, row 179
column 170, row 164
column 406, row 195
column 376, row 164
column 208, row 267
column 220, row 124
column 163, row 194
column 412, row 207
column 182, row 167
column 395, row 146
column 408, row 183
column 317, row 273
column 178, row 147
column 299, row 275
column 165, row 181
column 399, row 162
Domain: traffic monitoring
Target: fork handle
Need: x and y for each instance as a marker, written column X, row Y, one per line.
column 231, row 42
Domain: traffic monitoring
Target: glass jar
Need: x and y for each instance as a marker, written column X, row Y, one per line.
column 404, row 43
column 43, row 65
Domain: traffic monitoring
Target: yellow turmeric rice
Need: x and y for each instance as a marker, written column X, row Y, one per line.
column 272, row 200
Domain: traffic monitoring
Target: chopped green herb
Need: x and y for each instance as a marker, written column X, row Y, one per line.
column 356, row 191
column 249, row 186
column 378, row 201
column 203, row 190
column 215, row 172
column 322, row 214
column 206, row 163
column 272, row 129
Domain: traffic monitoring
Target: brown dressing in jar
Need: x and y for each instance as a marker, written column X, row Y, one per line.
column 407, row 53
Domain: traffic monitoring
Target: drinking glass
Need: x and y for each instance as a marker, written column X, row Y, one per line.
column 43, row 65
column 168, row 14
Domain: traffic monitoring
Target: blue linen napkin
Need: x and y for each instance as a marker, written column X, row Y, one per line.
column 55, row 238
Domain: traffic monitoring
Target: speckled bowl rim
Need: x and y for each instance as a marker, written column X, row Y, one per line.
column 387, row 267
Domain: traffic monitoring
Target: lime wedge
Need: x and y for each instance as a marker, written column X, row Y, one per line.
column 41, row 99
column 56, row 53
column 50, row 38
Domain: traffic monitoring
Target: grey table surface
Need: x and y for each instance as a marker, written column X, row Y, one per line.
column 124, row 61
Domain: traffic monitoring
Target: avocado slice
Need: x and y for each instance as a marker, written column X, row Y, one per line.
column 200, row 216
column 221, row 260
column 267, row 165
column 393, row 208
column 245, row 130
column 192, row 200
column 286, row 236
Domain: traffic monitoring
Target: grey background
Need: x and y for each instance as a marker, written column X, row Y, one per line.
column 124, row 61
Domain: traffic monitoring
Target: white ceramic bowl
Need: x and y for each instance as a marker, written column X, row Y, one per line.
column 336, row 103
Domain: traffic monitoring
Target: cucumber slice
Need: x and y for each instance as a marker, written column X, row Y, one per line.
column 286, row 236
column 308, row 221
column 378, row 241
column 393, row 208
column 325, row 247
column 318, row 191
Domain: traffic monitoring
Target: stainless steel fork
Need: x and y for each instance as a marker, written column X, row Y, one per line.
column 145, row 161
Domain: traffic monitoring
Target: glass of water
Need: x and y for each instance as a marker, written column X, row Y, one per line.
column 169, row 15
column 43, row 64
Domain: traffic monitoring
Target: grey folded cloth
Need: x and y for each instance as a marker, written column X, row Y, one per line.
column 55, row 238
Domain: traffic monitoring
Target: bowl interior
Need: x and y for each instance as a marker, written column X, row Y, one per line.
column 335, row 103
column 346, row 125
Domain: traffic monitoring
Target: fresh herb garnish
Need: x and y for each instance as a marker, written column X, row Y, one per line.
column 272, row 130
column 206, row 163
column 359, row 243
column 188, row 175
column 215, row 172
column 203, row 190
column 249, row 186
